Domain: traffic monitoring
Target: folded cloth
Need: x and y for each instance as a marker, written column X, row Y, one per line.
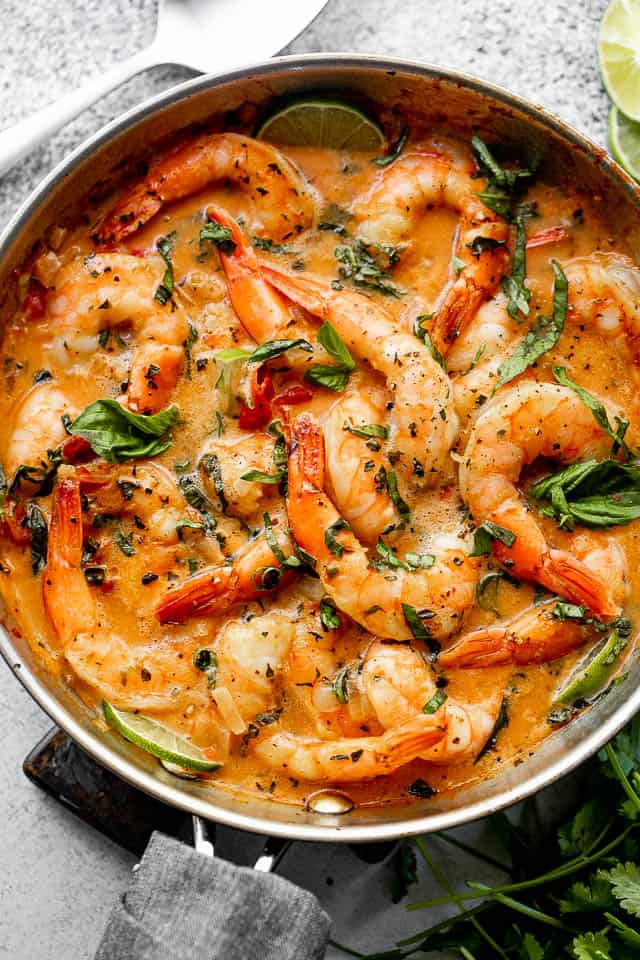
column 183, row 905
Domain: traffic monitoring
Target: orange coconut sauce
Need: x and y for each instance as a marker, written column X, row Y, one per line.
column 130, row 524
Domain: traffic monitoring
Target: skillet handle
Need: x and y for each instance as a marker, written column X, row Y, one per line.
column 184, row 902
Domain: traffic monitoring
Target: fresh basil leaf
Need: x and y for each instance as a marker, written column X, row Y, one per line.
column 196, row 498
column 325, row 375
column 394, row 150
column 164, row 247
column 415, row 621
column 269, row 246
column 458, row 265
column 334, row 545
column 233, row 353
column 484, row 536
column 275, row 348
column 487, row 589
column 37, row 525
column 211, row 466
column 274, row 546
column 192, row 337
column 330, row 340
column 598, row 410
column 218, row 235
column 431, row 706
column 420, row 561
column 498, row 175
column 190, row 525
column 502, row 720
column 329, row 616
column 118, row 434
column 542, row 336
column 423, row 334
column 124, row 542
column 514, row 283
column 206, row 661
column 388, row 556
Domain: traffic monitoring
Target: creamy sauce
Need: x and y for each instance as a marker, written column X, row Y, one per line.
column 85, row 369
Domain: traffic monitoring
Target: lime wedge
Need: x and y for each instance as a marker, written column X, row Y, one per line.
column 624, row 141
column 619, row 55
column 593, row 672
column 151, row 736
column 322, row 123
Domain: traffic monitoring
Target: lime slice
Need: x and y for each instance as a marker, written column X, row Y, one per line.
column 322, row 123
column 619, row 55
column 624, row 141
column 151, row 736
column 593, row 672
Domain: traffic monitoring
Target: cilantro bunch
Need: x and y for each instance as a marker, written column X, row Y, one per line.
column 573, row 894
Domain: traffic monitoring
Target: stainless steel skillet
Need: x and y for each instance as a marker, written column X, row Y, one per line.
column 436, row 97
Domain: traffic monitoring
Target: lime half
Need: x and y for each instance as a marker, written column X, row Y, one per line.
column 624, row 141
column 593, row 672
column 322, row 123
column 619, row 55
column 151, row 736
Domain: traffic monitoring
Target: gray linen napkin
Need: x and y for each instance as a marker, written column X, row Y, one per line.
column 182, row 905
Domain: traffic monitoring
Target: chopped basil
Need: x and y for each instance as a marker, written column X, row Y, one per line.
column 218, row 235
column 543, row 335
column 400, row 505
column 266, row 578
column 269, row 246
column 164, row 247
column 124, row 543
column 189, row 525
column 274, row 546
column 389, row 557
column 257, row 476
column 358, row 264
column 423, row 334
column 421, row 789
column 435, row 703
column 118, row 434
column 476, row 359
column 367, row 430
column 41, row 477
column 42, row 376
column 487, row 589
column 330, row 537
column 196, row 498
column 206, row 661
column 329, row 616
column 266, row 351
column 502, row 721
column 192, row 336
column 502, row 182
column 484, row 536
column 594, row 493
column 340, row 684
column 420, row 561
column 37, row 525
column 513, row 284
column 598, row 410
column 395, row 150
column 211, row 466
column 480, row 245
column 458, row 265
column 415, row 621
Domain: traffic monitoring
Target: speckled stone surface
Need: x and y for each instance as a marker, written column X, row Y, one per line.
column 58, row 878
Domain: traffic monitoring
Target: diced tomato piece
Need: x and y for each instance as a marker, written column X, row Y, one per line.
column 544, row 237
column 76, row 450
column 259, row 415
column 294, row 394
column 35, row 301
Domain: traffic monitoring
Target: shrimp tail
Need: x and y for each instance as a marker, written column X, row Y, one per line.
column 571, row 578
column 65, row 530
column 406, row 742
column 197, row 595
column 304, row 291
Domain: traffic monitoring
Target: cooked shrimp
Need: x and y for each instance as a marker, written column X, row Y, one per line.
column 254, row 571
column 354, row 464
column 132, row 675
column 398, row 684
column 348, row 759
column 281, row 202
column 250, row 656
column 422, row 423
column 371, row 597
column 237, row 453
column 401, row 193
column 37, row 425
column 117, row 290
column 528, row 421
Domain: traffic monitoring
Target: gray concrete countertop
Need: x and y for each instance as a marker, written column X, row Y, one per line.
column 59, row 878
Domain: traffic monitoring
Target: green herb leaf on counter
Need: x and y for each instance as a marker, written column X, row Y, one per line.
column 118, row 434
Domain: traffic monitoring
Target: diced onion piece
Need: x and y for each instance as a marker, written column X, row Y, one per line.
column 229, row 712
